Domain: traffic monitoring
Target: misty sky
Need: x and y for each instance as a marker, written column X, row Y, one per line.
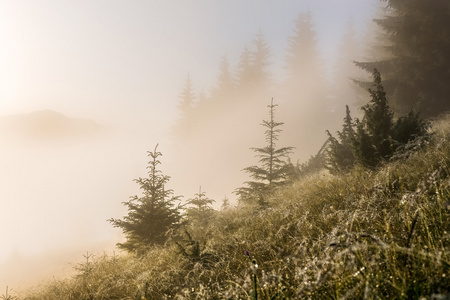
column 110, row 60
column 121, row 63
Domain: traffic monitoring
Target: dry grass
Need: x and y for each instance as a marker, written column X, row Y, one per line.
column 364, row 235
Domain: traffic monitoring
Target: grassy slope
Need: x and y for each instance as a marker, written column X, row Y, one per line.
column 367, row 234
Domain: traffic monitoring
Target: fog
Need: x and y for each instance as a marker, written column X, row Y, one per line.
column 88, row 87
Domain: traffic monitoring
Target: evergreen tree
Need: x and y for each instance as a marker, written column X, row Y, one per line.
column 244, row 72
column 303, row 65
column 152, row 215
column 305, row 89
column 302, row 58
column 340, row 151
column 408, row 128
column 224, row 91
column 260, row 60
column 417, row 73
column 345, row 72
column 364, row 150
column 199, row 209
column 225, row 204
column 187, row 123
column 253, row 74
column 378, row 118
column 273, row 169
column 374, row 139
column 187, row 98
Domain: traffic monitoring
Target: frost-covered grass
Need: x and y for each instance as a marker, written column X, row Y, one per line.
column 381, row 234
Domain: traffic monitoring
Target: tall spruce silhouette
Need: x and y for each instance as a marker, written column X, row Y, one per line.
column 416, row 34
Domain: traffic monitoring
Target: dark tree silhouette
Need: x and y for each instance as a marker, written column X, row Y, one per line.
column 152, row 215
column 418, row 71
column 340, row 151
column 377, row 137
column 273, row 168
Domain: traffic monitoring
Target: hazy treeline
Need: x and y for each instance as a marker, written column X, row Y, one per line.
column 409, row 49
column 242, row 93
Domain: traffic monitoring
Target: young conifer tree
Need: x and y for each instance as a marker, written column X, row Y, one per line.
column 199, row 209
column 372, row 140
column 340, row 151
column 377, row 137
column 273, row 168
column 153, row 214
column 378, row 118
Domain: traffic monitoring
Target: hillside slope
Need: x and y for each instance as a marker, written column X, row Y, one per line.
column 46, row 125
column 363, row 235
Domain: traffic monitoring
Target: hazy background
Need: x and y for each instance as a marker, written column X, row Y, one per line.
column 120, row 67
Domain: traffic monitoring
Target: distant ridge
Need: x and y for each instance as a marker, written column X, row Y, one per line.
column 47, row 124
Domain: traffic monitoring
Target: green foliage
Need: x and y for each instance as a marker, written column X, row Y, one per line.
column 151, row 216
column 378, row 119
column 376, row 138
column 273, row 169
column 364, row 151
column 340, row 152
column 408, row 128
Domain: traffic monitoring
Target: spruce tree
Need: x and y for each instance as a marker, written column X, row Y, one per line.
column 273, row 169
column 373, row 137
column 378, row 118
column 253, row 74
column 225, row 88
column 305, row 89
column 152, row 215
column 187, row 98
column 340, row 152
column 244, row 72
column 416, row 34
column 344, row 90
column 260, row 61
column 377, row 137
column 199, row 210
column 186, row 125
column 364, row 150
